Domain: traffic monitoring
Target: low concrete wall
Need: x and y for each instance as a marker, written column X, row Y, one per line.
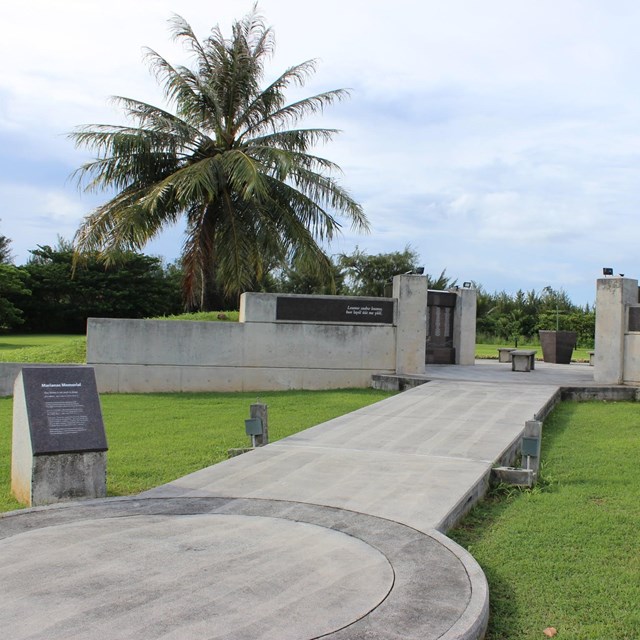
column 156, row 355
column 9, row 372
column 283, row 341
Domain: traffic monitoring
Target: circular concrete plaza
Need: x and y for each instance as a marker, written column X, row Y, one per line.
column 181, row 568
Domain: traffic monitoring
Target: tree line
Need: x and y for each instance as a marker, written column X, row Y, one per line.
column 52, row 293
column 55, row 292
column 512, row 317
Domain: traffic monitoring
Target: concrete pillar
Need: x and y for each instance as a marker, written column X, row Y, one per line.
column 411, row 323
column 258, row 307
column 464, row 327
column 533, row 437
column 613, row 296
column 260, row 410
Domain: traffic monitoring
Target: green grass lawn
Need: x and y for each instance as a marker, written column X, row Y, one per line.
column 490, row 351
column 155, row 438
column 205, row 316
column 567, row 553
column 56, row 349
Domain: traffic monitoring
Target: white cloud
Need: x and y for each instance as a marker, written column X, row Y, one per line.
column 30, row 216
column 500, row 139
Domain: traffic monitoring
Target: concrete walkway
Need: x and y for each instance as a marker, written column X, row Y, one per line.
column 335, row 532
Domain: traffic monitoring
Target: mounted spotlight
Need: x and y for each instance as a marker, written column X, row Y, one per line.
column 607, row 271
column 466, row 285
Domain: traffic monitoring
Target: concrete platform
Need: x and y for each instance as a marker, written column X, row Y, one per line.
column 219, row 568
column 335, row 532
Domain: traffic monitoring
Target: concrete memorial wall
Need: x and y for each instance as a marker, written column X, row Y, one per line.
column 281, row 342
column 617, row 340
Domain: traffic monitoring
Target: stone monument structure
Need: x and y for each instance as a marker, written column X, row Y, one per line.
column 59, row 444
column 617, row 345
column 289, row 341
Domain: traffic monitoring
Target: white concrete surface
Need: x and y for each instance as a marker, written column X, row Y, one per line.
column 240, row 569
column 334, row 578
column 411, row 458
column 613, row 297
column 333, row 531
column 154, row 355
column 464, row 326
column 21, row 448
column 411, row 320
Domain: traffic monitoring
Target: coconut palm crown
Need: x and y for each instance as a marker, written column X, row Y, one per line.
column 228, row 155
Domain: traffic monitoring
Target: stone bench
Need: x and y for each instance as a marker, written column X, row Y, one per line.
column 523, row 359
column 504, row 354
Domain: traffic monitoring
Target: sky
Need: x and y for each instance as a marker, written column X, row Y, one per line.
column 499, row 139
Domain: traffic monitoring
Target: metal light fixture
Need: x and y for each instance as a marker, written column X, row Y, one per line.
column 466, row 285
column 607, row 271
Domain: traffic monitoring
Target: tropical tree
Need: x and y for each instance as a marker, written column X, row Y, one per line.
column 5, row 252
column 11, row 285
column 299, row 278
column 371, row 275
column 367, row 274
column 227, row 155
column 442, row 282
column 56, row 298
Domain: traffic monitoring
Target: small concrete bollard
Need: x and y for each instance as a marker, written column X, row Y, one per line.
column 260, row 411
column 531, row 445
column 530, row 453
column 256, row 427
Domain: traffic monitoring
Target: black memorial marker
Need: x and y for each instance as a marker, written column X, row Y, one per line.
column 634, row 319
column 63, row 408
column 351, row 310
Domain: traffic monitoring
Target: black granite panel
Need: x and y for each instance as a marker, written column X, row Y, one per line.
column 441, row 298
column 63, row 409
column 351, row 310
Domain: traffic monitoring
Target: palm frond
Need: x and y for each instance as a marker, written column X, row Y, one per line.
column 290, row 114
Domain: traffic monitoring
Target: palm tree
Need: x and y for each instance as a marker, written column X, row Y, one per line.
column 229, row 157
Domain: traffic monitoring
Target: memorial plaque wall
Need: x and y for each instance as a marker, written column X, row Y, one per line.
column 634, row 319
column 349, row 310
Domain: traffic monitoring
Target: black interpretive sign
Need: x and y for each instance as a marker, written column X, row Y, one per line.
column 63, row 409
column 350, row 310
